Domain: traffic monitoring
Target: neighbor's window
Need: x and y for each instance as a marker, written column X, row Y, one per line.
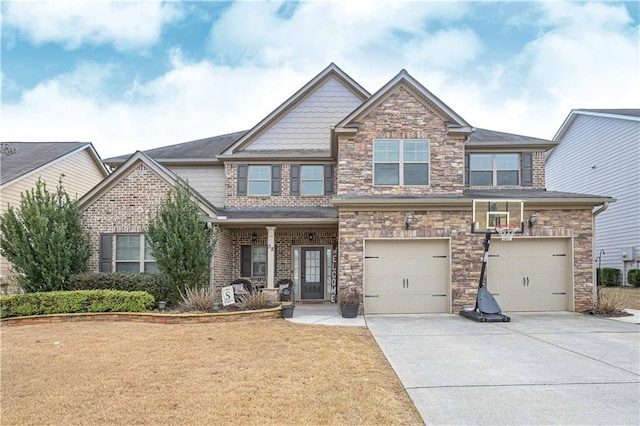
column 401, row 162
column 133, row 254
column 259, row 180
column 494, row 169
column 253, row 262
column 312, row 180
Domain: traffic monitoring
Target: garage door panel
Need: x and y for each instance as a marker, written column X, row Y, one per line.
column 400, row 304
column 531, row 274
column 406, row 276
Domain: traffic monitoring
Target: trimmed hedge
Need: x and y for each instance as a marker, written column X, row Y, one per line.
column 609, row 277
column 151, row 283
column 633, row 277
column 66, row 302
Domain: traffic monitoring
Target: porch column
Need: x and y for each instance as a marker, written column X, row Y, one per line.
column 271, row 256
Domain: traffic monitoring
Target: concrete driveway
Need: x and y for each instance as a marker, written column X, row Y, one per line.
column 551, row 368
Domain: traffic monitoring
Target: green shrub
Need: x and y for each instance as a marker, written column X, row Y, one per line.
column 151, row 283
column 609, row 277
column 633, row 277
column 62, row 302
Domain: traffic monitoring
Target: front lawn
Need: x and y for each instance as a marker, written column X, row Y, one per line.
column 257, row 372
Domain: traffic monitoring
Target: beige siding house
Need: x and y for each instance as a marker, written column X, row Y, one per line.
column 76, row 164
column 341, row 189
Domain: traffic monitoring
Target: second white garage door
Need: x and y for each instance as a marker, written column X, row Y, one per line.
column 531, row 274
column 406, row 276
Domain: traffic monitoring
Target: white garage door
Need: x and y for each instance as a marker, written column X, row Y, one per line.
column 531, row 274
column 406, row 276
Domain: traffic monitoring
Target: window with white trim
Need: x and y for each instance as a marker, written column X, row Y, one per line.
column 401, row 162
column 312, row 180
column 253, row 261
column 494, row 169
column 133, row 254
column 259, row 180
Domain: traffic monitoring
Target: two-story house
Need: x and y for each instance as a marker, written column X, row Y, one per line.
column 76, row 164
column 340, row 189
column 598, row 151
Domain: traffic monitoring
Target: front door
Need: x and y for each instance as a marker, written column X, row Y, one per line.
column 312, row 276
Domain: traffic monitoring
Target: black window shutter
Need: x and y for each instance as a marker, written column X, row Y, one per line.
column 328, row 179
column 242, row 179
column 245, row 261
column 527, row 169
column 106, row 250
column 466, row 170
column 294, row 188
column 276, row 179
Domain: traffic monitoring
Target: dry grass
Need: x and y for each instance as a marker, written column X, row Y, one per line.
column 262, row 372
column 630, row 295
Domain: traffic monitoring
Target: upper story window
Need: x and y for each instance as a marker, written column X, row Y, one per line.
column 133, row 254
column 311, row 179
column 259, row 180
column 401, row 162
column 494, row 169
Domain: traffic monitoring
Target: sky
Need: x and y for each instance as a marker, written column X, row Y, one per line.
column 136, row 75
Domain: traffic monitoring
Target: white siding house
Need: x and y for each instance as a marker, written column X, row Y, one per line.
column 599, row 153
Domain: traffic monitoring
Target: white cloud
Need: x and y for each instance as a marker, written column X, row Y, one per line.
column 191, row 101
column 128, row 26
column 585, row 57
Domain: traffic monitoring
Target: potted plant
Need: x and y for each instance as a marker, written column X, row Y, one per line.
column 287, row 309
column 349, row 300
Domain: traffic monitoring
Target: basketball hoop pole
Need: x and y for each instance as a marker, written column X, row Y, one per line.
column 485, row 258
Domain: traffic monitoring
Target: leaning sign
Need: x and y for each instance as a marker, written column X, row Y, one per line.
column 227, row 296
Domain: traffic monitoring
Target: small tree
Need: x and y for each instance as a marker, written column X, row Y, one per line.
column 180, row 242
column 44, row 239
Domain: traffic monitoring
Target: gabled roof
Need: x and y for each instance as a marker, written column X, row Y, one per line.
column 404, row 79
column 29, row 157
column 620, row 114
column 132, row 162
column 198, row 151
column 331, row 71
column 483, row 138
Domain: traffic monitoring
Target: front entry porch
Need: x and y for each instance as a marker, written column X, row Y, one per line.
column 265, row 255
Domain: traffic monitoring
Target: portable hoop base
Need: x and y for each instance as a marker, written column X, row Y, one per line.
column 487, row 308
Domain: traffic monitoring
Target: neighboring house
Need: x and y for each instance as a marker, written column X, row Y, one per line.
column 77, row 164
column 598, row 152
column 321, row 191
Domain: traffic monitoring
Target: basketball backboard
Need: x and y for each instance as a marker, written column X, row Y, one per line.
column 487, row 214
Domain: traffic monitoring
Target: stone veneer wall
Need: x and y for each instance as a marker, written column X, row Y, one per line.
column 538, row 175
column 400, row 116
column 466, row 248
column 232, row 199
column 125, row 208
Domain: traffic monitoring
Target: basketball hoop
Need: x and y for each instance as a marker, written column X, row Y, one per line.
column 507, row 232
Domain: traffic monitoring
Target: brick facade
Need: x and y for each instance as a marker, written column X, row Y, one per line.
column 125, row 208
column 232, row 199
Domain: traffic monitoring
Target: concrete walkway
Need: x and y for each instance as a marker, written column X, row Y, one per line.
column 323, row 314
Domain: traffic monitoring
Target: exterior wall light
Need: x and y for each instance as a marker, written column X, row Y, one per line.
column 409, row 221
column 254, row 238
column 532, row 220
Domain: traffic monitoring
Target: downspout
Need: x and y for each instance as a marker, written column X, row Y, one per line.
column 604, row 207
